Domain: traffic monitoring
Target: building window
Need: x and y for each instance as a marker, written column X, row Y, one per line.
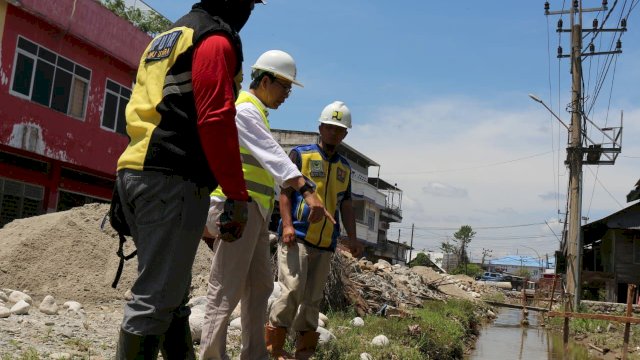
column 371, row 219
column 47, row 78
column 358, row 210
column 116, row 98
column 19, row 200
column 68, row 200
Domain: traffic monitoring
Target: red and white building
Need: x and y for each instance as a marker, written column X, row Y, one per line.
column 66, row 73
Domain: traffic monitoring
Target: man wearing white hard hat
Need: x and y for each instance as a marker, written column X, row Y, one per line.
column 241, row 270
column 305, row 249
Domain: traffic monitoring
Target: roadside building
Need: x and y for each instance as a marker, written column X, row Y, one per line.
column 66, row 72
column 376, row 202
column 611, row 255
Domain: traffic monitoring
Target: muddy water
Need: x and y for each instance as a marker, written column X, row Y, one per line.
column 506, row 339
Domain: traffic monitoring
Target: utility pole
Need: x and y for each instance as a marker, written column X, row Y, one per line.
column 574, row 161
column 577, row 153
column 411, row 245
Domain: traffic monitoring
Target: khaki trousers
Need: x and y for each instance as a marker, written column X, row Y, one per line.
column 302, row 274
column 241, row 270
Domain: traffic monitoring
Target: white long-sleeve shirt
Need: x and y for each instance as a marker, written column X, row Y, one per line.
column 255, row 137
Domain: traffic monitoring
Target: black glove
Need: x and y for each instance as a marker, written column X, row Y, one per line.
column 233, row 219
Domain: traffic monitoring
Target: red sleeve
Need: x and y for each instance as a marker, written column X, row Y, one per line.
column 214, row 66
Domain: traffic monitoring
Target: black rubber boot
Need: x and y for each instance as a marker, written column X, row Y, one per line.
column 177, row 343
column 136, row 347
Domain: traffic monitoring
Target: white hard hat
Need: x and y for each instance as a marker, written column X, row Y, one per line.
column 279, row 63
column 336, row 113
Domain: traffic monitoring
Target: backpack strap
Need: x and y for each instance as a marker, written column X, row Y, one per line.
column 123, row 258
column 120, row 252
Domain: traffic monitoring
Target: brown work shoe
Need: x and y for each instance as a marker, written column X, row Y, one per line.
column 306, row 344
column 275, row 337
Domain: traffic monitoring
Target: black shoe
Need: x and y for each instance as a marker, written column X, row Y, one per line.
column 177, row 343
column 136, row 347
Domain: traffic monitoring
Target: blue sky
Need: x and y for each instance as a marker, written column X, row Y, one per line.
column 438, row 92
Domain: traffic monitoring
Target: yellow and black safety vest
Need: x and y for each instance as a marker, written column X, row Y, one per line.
column 332, row 177
column 161, row 114
column 260, row 183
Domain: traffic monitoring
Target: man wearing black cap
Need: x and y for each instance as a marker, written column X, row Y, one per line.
column 183, row 144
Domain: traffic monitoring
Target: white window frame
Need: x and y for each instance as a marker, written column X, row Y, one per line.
column 104, row 104
column 74, row 77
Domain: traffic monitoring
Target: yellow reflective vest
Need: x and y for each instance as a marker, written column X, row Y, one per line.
column 260, row 183
column 161, row 114
column 332, row 177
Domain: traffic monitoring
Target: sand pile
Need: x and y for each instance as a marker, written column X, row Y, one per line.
column 65, row 254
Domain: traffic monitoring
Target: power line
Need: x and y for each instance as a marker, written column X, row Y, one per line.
column 471, row 168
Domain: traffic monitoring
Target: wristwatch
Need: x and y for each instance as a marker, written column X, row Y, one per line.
column 306, row 188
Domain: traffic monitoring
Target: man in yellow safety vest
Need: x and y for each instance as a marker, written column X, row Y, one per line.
column 241, row 270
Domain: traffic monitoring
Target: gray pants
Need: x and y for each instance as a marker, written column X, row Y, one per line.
column 166, row 215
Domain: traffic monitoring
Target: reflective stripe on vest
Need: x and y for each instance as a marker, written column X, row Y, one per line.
column 260, row 183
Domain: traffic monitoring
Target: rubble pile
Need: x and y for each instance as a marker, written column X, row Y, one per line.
column 376, row 287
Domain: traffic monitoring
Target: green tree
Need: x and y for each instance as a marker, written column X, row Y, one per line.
column 471, row 270
column 421, row 259
column 461, row 239
column 148, row 21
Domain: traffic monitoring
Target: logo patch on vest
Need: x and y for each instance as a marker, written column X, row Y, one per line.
column 316, row 169
column 162, row 46
column 341, row 175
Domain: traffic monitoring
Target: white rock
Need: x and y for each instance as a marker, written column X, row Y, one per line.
column 128, row 295
column 324, row 318
column 325, row 335
column 384, row 263
column 48, row 306
column 491, row 314
column 357, row 321
column 72, row 306
column 475, row 295
column 16, row 296
column 236, row 324
column 3, row 297
column 198, row 301
column 321, row 323
column 21, row 308
column 380, row 340
column 4, row 312
column 365, row 356
column 60, row 356
column 195, row 322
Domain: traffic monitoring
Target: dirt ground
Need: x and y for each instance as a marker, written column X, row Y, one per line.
column 68, row 256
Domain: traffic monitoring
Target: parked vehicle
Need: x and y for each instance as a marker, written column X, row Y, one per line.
column 517, row 282
column 491, row 276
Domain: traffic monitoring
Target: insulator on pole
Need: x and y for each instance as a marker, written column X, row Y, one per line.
column 595, row 24
column 592, row 47
column 560, row 24
column 618, row 45
column 576, row 4
column 623, row 23
column 559, row 50
column 546, row 6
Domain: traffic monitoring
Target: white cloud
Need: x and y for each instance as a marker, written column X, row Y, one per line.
column 462, row 162
column 442, row 190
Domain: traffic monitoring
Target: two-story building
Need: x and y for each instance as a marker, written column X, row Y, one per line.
column 376, row 202
column 66, row 74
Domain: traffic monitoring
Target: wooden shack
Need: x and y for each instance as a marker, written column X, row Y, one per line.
column 611, row 255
